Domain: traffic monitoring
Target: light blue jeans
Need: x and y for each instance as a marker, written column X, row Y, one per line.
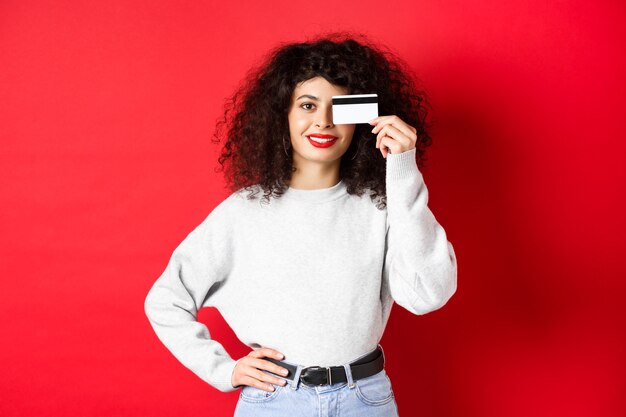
column 367, row 397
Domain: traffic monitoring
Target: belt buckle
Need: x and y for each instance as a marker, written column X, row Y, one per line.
column 328, row 375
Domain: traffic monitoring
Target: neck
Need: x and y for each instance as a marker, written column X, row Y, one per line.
column 314, row 175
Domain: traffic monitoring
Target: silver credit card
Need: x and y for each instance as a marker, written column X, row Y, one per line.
column 354, row 108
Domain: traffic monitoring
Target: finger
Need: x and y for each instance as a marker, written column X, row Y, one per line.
column 258, row 363
column 384, row 150
column 263, row 352
column 273, row 353
column 252, row 382
column 388, row 145
column 265, row 377
column 398, row 123
column 379, row 119
column 381, row 135
column 270, row 366
column 381, row 122
column 391, row 131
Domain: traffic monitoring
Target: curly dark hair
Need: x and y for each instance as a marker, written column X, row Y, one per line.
column 256, row 115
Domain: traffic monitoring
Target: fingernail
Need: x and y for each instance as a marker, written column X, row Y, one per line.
column 280, row 356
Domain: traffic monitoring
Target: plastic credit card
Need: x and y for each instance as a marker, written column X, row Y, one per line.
column 354, row 108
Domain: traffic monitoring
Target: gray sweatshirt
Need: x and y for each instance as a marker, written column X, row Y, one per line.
column 313, row 274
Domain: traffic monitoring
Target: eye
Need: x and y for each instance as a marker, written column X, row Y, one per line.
column 307, row 104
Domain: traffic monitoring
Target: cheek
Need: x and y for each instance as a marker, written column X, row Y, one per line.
column 348, row 132
column 297, row 124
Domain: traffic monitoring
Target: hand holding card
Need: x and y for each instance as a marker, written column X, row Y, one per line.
column 354, row 108
column 393, row 135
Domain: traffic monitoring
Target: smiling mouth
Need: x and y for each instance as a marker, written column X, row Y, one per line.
column 321, row 140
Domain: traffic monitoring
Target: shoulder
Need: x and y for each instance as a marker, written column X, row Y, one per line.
column 237, row 204
column 223, row 213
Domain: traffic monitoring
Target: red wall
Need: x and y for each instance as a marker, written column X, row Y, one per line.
column 106, row 113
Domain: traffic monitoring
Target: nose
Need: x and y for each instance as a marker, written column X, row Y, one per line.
column 324, row 118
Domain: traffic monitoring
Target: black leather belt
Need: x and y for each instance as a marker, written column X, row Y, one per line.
column 370, row 364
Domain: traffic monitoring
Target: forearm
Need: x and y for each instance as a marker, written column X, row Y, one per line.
column 420, row 263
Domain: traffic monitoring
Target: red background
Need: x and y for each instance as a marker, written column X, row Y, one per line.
column 106, row 113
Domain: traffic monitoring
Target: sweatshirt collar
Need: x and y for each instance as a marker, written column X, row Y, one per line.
column 319, row 195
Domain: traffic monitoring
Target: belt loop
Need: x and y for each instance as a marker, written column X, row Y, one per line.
column 349, row 375
column 296, row 378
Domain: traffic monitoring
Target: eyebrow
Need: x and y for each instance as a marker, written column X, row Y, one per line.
column 307, row 96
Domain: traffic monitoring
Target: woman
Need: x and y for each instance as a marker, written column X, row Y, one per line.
column 307, row 275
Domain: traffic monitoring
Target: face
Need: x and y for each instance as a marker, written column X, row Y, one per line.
column 310, row 113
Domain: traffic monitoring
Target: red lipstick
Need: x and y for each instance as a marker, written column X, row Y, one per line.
column 320, row 135
column 326, row 143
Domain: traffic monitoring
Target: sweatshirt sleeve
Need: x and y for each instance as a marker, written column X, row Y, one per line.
column 420, row 264
column 172, row 304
